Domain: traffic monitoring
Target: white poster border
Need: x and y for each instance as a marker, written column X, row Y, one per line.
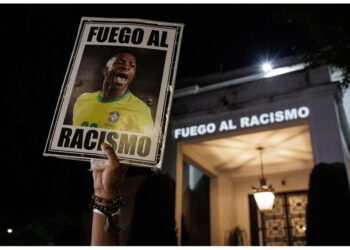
column 162, row 110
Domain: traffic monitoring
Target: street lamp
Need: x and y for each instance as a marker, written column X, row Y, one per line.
column 266, row 67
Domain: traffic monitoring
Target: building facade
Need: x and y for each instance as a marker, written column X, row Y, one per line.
column 299, row 118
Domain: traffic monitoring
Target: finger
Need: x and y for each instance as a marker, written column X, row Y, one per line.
column 96, row 174
column 112, row 157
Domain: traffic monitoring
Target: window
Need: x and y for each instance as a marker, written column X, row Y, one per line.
column 285, row 225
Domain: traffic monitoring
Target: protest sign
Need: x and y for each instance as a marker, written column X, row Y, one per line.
column 118, row 89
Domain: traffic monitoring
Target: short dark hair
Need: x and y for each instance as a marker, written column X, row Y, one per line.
column 111, row 61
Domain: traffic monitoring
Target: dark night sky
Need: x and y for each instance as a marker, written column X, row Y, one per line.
column 36, row 43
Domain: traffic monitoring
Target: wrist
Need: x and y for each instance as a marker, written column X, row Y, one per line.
column 107, row 195
column 107, row 205
column 109, row 208
column 96, row 211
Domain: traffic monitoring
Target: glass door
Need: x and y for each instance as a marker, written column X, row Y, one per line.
column 285, row 225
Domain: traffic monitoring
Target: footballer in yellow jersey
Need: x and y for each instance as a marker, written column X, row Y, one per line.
column 114, row 107
column 126, row 113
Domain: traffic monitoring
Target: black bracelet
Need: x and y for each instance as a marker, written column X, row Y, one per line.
column 107, row 201
column 108, row 211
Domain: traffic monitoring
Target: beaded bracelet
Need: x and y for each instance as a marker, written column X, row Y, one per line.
column 107, row 201
column 108, row 210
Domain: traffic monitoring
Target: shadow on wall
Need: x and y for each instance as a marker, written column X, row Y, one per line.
column 328, row 210
column 153, row 222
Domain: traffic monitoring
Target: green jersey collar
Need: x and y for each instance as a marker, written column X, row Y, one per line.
column 118, row 98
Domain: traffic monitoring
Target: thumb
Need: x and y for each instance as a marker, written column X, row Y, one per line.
column 112, row 157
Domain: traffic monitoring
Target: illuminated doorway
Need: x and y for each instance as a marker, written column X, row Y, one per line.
column 231, row 162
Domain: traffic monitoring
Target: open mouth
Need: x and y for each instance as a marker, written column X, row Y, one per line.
column 121, row 78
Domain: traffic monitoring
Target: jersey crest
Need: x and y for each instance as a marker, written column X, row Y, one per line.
column 113, row 117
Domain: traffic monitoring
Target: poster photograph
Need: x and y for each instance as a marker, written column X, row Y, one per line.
column 118, row 89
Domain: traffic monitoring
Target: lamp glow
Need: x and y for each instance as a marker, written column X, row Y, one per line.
column 266, row 67
column 9, row 231
column 264, row 200
column 263, row 195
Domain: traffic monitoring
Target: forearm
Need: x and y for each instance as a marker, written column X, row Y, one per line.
column 105, row 225
column 99, row 236
column 106, row 200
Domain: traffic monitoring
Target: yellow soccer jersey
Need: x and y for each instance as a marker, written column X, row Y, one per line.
column 127, row 113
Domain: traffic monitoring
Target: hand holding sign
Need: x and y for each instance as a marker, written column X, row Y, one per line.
column 106, row 200
column 107, row 181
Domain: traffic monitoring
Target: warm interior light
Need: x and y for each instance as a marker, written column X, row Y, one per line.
column 263, row 195
column 264, row 200
column 267, row 67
